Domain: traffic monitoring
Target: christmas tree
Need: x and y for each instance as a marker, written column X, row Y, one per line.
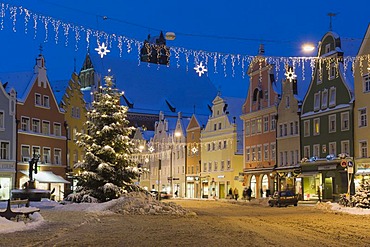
column 107, row 168
column 362, row 197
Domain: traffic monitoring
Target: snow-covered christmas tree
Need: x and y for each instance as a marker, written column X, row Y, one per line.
column 107, row 168
column 362, row 197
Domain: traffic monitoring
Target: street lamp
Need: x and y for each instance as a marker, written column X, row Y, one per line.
column 308, row 47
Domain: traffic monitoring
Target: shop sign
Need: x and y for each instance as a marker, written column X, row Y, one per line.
column 221, row 176
column 343, row 163
column 350, row 169
column 7, row 166
column 327, row 167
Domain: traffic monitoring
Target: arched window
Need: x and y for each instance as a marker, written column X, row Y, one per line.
column 253, row 185
column 264, row 185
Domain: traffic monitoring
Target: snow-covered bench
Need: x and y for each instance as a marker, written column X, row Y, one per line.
column 18, row 212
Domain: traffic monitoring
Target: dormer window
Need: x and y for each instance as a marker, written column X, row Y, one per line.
column 332, row 71
column 332, row 96
column 327, row 48
column 46, row 101
column 317, row 101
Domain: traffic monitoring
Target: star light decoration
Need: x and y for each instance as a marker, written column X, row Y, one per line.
column 290, row 75
column 200, row 69
column 102, row 50
column 194, row 150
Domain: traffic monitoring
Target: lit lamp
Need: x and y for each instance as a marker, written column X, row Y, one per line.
column 308, row 47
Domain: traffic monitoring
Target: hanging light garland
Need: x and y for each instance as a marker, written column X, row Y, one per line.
column 107, row 42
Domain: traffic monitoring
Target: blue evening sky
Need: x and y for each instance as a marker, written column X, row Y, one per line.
column 230, row 27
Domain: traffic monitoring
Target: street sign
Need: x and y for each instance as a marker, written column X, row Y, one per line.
column 350, row 169
column 350, row 163
column 343, row 163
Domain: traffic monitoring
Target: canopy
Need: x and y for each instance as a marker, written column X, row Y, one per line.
column 47, row 177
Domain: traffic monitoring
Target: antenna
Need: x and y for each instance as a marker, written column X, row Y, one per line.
column 331, row 15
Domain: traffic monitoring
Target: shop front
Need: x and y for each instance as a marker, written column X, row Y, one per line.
column 262, row 181
column 362, row 173
column 289, row 179
column 7, row 176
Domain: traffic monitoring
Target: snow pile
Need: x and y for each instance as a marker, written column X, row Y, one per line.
column 335, row 207
column 34, row 221
column 135, row 203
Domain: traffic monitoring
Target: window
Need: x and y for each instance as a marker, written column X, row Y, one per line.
column 285, row 129
column 247, row 128
column 292, row 157
column 219, row 145
column 4, row 150
column 366, row 85
column 332, row 71
column 296, row 127
column 332, row 96
column 225, row 144
column 25, row 153
column 247, row 154
column 204, row 167
column 265, row 123
column 228, row 164
column 2, row 125
column 362, row 117
column 280, row 130
column 345, row 147
column 327, row 48
column 291, row 128
column 316, row 126
column 333, row 148
column 273, row 122
column 25, row 124
column 219, row 126
column 208, row 147
column 46, row 155
column 306, row 151
column 46, row 128
column 266, row 152
column 209, row 166
column 253, row 153
column 306, row 125
column 273, row 151
column 287, row 101
column 297, row 156
column 285, row 157
column 332, row 123
column 344, row 121
column 281, row 158
column 57, row 129
column 323, row 148
column 259, row 153
column 324, row 99
column 259, row 125
column 363, row 149
column 78, row 112
column 253, row 127
column 222, row 165
column 213, row 146
column 35, row 151
column 317, row 101
column 38, row 99
column 316, row 150
column 36, row 125
column 214, row 126
column 46, row 101
column 57, row 156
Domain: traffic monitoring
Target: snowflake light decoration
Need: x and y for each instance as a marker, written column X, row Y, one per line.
column 102, row 50
column 290, row 75
column 200, row 69
column 194, row 150
column 151, row 149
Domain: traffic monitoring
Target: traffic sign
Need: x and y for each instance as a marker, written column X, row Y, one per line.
column 350, row 163
column 343, row 163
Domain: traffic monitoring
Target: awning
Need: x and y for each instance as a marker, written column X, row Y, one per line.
column 363, row 172
column 258, row 170
column 47, row 177
column 307, row 174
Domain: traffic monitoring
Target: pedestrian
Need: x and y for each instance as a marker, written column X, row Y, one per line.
column 249, row 193
column 176, row 193
column 231, row 193
column 319, row 193
column 245, row 193
column 236, row 194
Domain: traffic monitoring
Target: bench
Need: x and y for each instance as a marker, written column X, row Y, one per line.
column 16, row 213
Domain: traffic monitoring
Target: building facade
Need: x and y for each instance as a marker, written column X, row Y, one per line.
column 259, row 118
column 221, row 159
column 326, row 124
column 8, row 130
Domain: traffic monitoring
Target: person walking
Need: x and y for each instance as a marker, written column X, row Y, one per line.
column 249, row 193
column 236, row 194
column 231, row 193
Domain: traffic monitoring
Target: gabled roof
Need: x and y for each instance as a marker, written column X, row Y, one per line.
column 152, row 88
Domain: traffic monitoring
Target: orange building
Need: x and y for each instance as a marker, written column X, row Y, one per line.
column 41, row 132
column 259, row 118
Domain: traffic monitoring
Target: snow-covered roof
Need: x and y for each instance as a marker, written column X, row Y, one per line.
column 59, row 89
column 152, row 88
column 20, row 81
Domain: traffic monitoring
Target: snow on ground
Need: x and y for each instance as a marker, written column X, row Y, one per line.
column 134, row 204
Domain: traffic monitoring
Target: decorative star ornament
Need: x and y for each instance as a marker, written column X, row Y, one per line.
column 102, row 50
column 194, row 150
column 200, row 69
column 290, row 75
column 151, row 149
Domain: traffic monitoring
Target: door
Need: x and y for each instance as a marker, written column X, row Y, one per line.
column 328, row 191
column 222, row 190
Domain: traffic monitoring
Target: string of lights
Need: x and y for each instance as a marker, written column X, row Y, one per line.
column 110, row 42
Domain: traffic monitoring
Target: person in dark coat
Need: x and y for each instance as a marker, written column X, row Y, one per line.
column 231, row 193
column 249, row 193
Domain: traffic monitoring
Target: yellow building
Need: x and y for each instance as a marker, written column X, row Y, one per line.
column 74, row 106
column 222, row 154
column 362, row 106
